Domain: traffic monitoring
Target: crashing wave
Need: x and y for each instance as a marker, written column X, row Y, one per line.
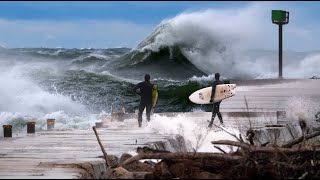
column 187, row 43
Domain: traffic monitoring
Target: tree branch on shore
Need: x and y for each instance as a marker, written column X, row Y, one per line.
column 300, row 139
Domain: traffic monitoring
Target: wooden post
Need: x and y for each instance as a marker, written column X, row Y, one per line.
column 7, row 130
column 31, row 127
column 50, row 124
column 98, row 124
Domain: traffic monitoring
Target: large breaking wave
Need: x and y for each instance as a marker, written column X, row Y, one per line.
column 206, row 42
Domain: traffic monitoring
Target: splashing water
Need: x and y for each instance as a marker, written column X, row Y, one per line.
column 194, row 130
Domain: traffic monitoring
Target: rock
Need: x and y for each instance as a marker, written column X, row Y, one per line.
column 98, row 169
column 118, row 173
column 165, row 173
column 138, row 167
column 124, row 157
column 114, row 160
column 208, row 175
column 176, row 169
column 135, row 166
column 151, row 163
column 149, row 150
column 142, row 175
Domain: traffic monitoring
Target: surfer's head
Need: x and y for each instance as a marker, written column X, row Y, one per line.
column 217, row 76
column 147, row 77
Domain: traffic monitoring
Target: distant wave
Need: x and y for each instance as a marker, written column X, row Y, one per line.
column 62, row 53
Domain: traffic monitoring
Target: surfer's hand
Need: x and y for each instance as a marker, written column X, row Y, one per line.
column 138, row 92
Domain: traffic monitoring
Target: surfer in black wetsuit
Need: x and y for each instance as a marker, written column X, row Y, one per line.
column 145, row 97
column 216, row 105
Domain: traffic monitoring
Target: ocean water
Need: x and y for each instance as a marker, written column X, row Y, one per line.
column 78, row 86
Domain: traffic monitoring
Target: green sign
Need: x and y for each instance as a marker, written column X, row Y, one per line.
column 278, row 15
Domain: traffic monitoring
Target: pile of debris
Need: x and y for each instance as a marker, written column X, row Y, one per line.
column 294, row 159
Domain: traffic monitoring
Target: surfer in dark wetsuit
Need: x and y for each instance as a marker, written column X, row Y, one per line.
column 145, row 97
column 216, row 105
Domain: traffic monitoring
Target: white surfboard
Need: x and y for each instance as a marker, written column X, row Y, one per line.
column 203, row 96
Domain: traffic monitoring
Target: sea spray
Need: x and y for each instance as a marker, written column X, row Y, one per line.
column 194, row 130
column 302, row 108
column 63, row 121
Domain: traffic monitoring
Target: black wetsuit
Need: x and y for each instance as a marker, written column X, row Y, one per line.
column 145, row 99
column 216, row 105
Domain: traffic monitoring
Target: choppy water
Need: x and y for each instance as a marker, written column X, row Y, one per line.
column 77, row 86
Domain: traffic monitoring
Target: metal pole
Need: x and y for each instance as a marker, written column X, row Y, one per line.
column 280, row 51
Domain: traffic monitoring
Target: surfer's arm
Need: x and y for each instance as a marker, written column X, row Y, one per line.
column 213, row 91
column 135, row 89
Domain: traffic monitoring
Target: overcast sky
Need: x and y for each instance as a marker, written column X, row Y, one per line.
column 124, row 24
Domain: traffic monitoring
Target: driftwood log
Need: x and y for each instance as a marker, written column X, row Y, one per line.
column 189, row 155
column 300, row 139
column 249, row 161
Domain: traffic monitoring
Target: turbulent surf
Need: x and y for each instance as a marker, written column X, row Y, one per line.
column 181, row 55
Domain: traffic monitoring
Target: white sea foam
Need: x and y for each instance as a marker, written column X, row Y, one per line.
column 304, row 108
column 20, row 94
column 63, row 121
column 22, row 99
column 194, row 130
column 56, row 53
column 119, row 78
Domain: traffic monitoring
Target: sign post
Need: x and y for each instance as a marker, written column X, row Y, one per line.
column 280, row 17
